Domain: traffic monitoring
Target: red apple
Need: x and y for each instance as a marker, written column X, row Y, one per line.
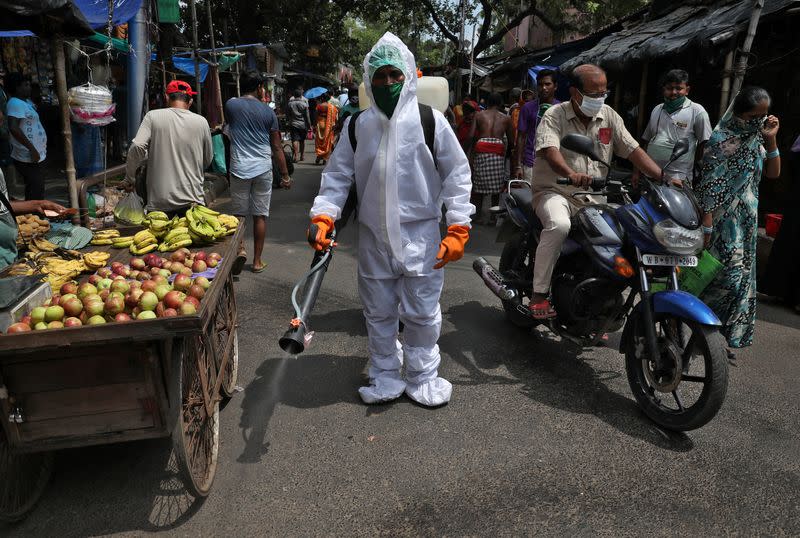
column 160, row 309
column 84, row 317
column 54, row 300
column 203, row 282
column 199, row 266
column 167, row 265
column 104, row 272
column 72, row 322
column 155, row 271
column 174, row 299
column 186, row 271
column 177, row 256
column 116, row 267
column 196, row 291
column 153, row 260
column 72, row 306
column 86, row 289
column 182, row 282
column 138, row 264
column 132, row 299
column 63, row 299
column 94, row 307
column 135, row 312
column 212, row 262
column 94, row 279
column 149, row 285
column 162, row 290
column 120, row 286
column 114, row 305
column 215, row 256
column 170, row 313
column 143, row 275
column 200, row 255
column 160, row 279
column 193, row 300
column 175, row 267
column 122, row 317
column 104, row 294
column 188, row 309
column 134, row 284
column 69, row 287
column 18, row 328
column 26, row 320
column 56, row 324
column 148, row 301
column 104, row 284
column 164, row 273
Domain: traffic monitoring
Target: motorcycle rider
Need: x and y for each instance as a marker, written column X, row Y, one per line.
column 401, row 189
column 585, row 113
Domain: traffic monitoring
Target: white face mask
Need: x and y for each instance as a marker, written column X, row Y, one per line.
column 591, row 106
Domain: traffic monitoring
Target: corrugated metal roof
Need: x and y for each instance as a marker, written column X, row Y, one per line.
column 672, row 33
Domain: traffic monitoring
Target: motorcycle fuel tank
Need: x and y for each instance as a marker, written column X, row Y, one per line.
column 600, row 234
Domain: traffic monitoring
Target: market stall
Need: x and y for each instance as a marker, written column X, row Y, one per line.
column 128, row 369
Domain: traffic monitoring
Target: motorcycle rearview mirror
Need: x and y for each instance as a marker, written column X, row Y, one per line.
column 581, row 144
column 680, row 149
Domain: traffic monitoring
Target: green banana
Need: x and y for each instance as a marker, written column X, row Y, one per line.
column 206, row 210
column 157, row 215
column 138, row 251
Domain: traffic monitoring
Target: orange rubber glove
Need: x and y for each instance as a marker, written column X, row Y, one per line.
column 452, row 246
column 320, row 241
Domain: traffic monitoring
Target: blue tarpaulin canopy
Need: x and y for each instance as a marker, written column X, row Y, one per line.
column 96, row 13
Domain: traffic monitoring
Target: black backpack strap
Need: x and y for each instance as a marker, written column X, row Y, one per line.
column 428, row 128
column 351, row 130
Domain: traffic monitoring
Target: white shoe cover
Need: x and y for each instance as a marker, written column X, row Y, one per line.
column 382, row 389
column 431, row 393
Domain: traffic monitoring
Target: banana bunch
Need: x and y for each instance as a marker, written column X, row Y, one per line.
column 158, row 223
column 40, row 244
column 176, row 238
column 60, row 271
column 229, row 222
column 122, row 242
column 21, row 269
column 95, row 259
column 104, row 237
column 204, row 225
column 143, row 242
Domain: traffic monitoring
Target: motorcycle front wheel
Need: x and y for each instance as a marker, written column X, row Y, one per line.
column 689, row 389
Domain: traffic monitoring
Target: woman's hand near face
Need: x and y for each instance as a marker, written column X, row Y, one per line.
column 771, row 126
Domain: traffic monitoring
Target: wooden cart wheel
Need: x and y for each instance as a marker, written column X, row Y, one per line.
column 23, row 479
column 227, row 339
column 195, row 438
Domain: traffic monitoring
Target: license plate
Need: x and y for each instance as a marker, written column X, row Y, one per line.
column 669, row 260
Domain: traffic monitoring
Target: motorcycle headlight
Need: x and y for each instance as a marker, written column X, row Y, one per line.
column 678, row 239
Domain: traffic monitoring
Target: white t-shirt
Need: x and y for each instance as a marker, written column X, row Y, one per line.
column 664, row 130
column 31, row 127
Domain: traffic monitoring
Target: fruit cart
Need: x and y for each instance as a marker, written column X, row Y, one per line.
column 117, row 382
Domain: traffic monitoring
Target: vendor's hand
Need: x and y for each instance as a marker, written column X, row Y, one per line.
column 771, row 126
column 452, row 246
column 320, row 240
column 286, row 182
column 35, row 157
column 706, row 240
column 42, row 205
column 580, row 180
column 518, row 173
column 674, row 181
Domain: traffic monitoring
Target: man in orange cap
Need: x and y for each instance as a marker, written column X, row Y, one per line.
column 176, row 143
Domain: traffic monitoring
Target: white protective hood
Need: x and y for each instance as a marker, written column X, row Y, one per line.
column 395, row 174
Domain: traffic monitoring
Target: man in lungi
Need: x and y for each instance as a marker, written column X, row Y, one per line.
column 489, row 153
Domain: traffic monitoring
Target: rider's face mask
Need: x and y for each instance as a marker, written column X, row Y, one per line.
column 591, row 106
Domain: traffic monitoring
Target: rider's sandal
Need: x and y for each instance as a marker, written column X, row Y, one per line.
column 542, row 310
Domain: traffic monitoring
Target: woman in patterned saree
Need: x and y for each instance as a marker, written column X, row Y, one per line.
column 325, row 134
column 733, row 162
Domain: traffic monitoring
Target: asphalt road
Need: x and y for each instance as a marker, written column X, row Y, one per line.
column 541, row 437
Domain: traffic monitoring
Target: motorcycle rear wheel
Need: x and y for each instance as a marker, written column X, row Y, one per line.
column 663, row 395
column 507, row 259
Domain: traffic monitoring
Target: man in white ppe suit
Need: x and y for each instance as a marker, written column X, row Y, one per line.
column 401, row 189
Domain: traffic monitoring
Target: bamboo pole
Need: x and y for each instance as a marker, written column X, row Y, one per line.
column 725, row 96
column 63, row 103
column 215, row 59
column 741, row 64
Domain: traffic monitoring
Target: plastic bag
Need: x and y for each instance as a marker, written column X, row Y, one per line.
column 129, row 210
column 695, row 279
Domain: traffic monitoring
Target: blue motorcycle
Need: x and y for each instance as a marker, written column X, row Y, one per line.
column 616, row 256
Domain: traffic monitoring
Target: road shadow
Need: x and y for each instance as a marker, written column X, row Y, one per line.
column 305, row 382
column 349, row 321
column 555, row 372
column 127, row 487
column 775, row 311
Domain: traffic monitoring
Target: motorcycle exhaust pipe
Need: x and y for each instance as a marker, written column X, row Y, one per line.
column 492, row 279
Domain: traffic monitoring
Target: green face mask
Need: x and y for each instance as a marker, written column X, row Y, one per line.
column 672, row 105
column 386, row 97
